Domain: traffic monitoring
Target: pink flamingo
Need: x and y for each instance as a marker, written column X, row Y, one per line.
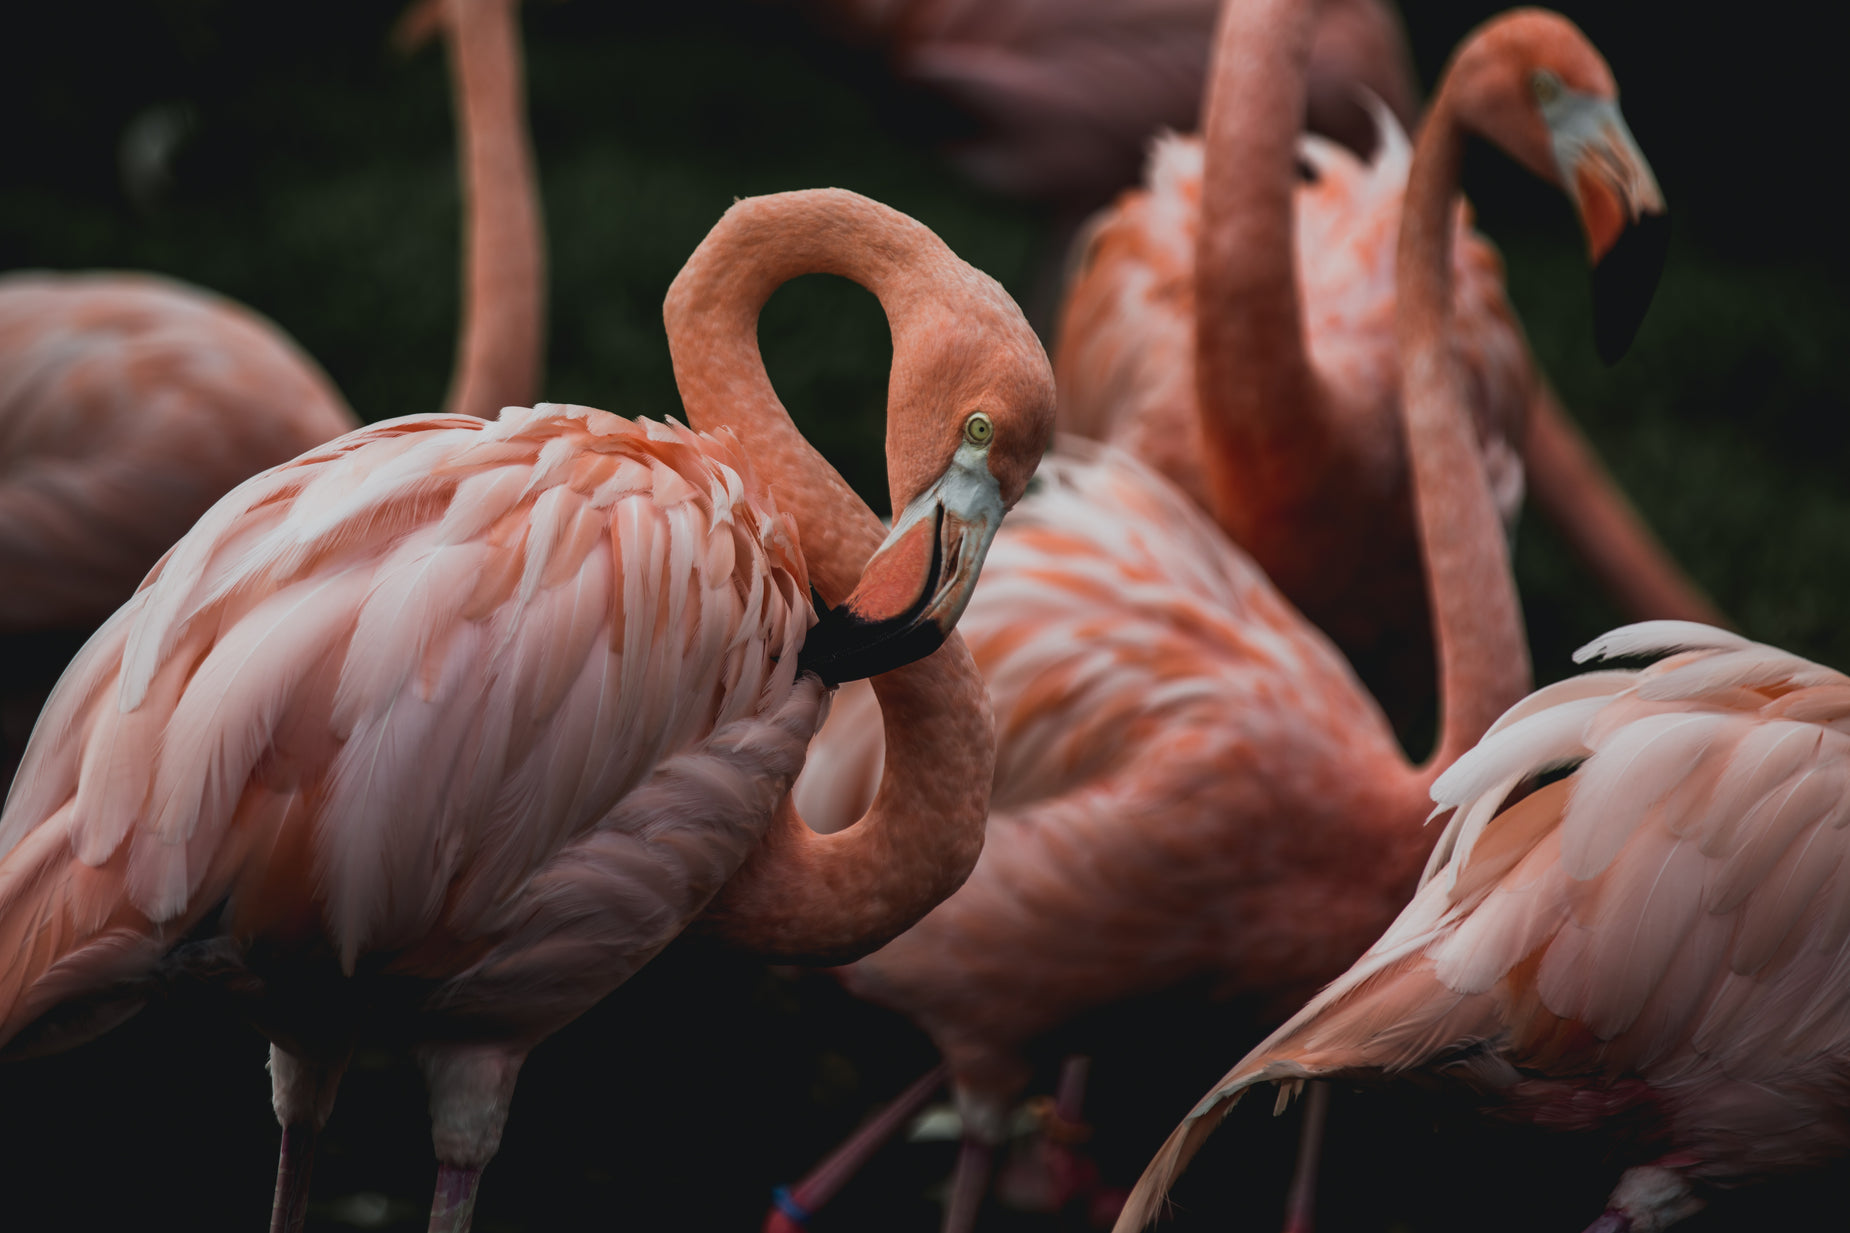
column 1068, row 92
column 1653, row 946
column 1190, row 781
column 445, row 728
column 1233, row 325
column 129, row 403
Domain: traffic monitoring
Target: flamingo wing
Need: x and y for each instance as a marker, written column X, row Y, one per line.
column 1665, row 928
column 408, row 693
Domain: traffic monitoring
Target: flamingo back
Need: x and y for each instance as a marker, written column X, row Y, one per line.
column 128, row 404
column 460, row 691
column 1664, row 932
column 1158, row 708
column 1126, row 350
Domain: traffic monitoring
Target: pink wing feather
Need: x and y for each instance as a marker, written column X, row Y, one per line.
column 439, row 679
column 1667, row 928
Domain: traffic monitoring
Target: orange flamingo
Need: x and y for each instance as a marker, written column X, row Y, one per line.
column 1653, row 945
column 445, row 728
column 1068, row 92
column 129, row 403
column 1190, row 780
column 1233, row 325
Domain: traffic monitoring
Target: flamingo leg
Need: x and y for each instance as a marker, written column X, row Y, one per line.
column 795, row 1204
column 1301, row 1204
column 452, row 1207
column 471, row 1087
column 302, row 1092
column 968, row 1185
column 293, row 1165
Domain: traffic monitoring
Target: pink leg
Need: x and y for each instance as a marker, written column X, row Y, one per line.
column 302, row 1092
column 796, row 1203
column 293, row 1166
column 453, row 1205
column 968, row 1185
column 1301, row 1206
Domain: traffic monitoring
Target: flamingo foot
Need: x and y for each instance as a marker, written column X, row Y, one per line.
column 453, row 1205
column 1649, row 1199
column 794, row 1205
column 293, row 1166
column 1301, row 1205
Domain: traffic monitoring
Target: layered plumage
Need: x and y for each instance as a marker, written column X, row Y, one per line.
column 386, row 701
column 1233, row 324
column 1656, row 942
column 1126, row 359
column 1160, row 710
column 441, row 730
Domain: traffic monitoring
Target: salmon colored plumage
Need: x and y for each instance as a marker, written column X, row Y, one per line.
column 1654, row 946
column 1191, row 782
column 1232, row 324
column 445, row 728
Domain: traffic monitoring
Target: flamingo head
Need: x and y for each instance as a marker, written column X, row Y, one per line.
column 1532, row 83
column 970, row 411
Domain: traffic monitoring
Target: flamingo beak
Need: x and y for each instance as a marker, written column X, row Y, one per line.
column 1621, row 209
column 917, row 582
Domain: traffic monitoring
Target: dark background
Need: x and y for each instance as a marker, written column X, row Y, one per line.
column 316, row 183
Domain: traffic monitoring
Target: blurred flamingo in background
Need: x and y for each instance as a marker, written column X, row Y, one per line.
column 1232, row 324
column 129, row 403
column 1066, row 94
column 1653, row 947
column 442, row 730
column 1190, row 780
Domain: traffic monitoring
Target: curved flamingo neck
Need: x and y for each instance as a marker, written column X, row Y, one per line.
column 499, row 351
column 1482, row 651
column 1258, row 396
column 805, row 895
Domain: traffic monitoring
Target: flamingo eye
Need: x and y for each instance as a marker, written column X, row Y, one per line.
column 1545, row 86
column 979, row 429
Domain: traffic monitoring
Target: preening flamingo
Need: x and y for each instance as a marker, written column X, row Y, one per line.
column 1066, row 93
column 1233, row 324
column 1654, row 946
column 442, row 730
column 1190, row 781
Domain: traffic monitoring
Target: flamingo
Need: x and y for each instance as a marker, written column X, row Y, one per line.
column 1233, row 325
column 129, row 402
column 1065, row 95
column 443, row 729
column 1653, row 945
column 1190, row 780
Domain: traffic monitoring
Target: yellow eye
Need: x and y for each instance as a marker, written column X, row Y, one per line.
column 978, row 429
column 1546, row 86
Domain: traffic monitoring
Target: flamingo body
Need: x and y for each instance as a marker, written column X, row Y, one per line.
column 129, row 403
column 1159, row 709
column 1656, row 943
column 492, row 708
column 1127, row 374
column 1066, row 93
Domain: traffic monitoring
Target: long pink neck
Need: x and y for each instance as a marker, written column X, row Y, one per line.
column 1260, row 400
column 805, row 895
column 1482, row 650
column 498, row 355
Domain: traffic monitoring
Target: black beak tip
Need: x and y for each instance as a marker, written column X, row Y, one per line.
column 1624, row 283
column 843, row 647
